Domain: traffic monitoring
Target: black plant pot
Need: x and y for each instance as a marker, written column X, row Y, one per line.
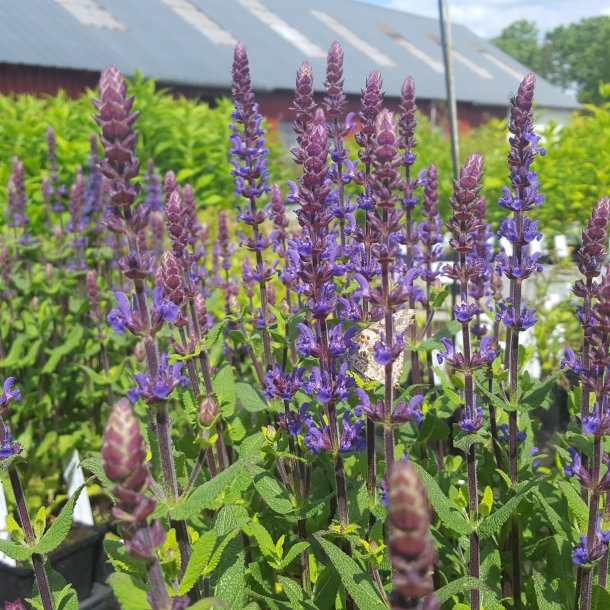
column 77, row 561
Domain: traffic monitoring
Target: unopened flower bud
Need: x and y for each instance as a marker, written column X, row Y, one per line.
column 208, row 410
column 123, row 451
column 411, row 549
column 35, row 302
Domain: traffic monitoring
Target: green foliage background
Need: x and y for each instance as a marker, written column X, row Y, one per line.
column 192, row 139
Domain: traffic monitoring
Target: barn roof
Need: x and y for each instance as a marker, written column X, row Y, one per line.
column 190, row 43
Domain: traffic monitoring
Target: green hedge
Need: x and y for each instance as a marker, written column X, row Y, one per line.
column 192, row 139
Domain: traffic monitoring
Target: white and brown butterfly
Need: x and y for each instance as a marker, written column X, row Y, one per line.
column 363, row 360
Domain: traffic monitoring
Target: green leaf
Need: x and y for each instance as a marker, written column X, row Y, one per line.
column 540, row 394
column 357, row 582
column 465, row 440
column 576, row 504
column 548, row 595
column 95, row 467
column 433, row 429
column 495, row 521
column 130, row 591
column 57, row 533
column 563, row 529
column 209, row 603
column 327, row 587
column 295, row 549
column 202, row 551
column 262, row 536
column 230, row 585
column 487, row 502
column 442, row 505
column 64, row 596
column 600, row 598
column 15, row 551
column 205, row 495
column 275, row 495
column 71, row 343
column 217, row 556
column 250, row 398
column 224, row 388
column 461, row 585
column 494, row 399
column 295, row 594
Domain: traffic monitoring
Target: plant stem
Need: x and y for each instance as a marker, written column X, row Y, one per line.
column 24, row 517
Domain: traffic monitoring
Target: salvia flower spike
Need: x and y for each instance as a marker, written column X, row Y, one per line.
column 412, row 551
column 124, row 462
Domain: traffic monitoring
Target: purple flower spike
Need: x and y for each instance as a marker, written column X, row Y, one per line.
column 158, row 390
column 405, row 411
column 580, row 553
column 283, row 385
column 472, row 424
column 503, row 434
column 122, row 317
column 8, row 447
column 8, row 395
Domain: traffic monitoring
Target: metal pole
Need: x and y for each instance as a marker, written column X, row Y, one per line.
column 443, row 10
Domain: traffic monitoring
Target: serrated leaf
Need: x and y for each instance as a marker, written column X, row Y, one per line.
column 95, row 467
column 600, row 598
column 224, row 388
column 209, row 603
column 486, row 503
column 293, row 552
column 495, row 521
column 461, row 585
column 201, row 553
column 262, row 536
column 217, row 556
column 64, row 596
column 60, row 528
column 494, row 399
column 214, row 335
column 130, row 591
column 295, row 594
column 575, row 502
column 548, row 596
column 250, row 398
column 465, row 441
column 433, row 429
column 15, row 551
column 357, row 582
column 442, row 505
column 230, row 585
column 204, row 496
column 40, row 522
column 538, row 395
column 328, row 583
column 274, row 495
column 562, row 529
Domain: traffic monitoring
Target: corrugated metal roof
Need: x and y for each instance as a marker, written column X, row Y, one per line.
column 158, row 37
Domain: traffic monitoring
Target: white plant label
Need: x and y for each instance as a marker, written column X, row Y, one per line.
column 4, row 535
column 74, row 476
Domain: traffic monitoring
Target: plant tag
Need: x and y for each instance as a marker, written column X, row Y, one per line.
column 561, row 246
column 4, row 535
column 74, row 477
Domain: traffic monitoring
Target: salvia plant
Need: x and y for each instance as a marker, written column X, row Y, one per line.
column 307, row 403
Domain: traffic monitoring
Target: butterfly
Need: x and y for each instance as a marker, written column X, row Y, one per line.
column 363, row 360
